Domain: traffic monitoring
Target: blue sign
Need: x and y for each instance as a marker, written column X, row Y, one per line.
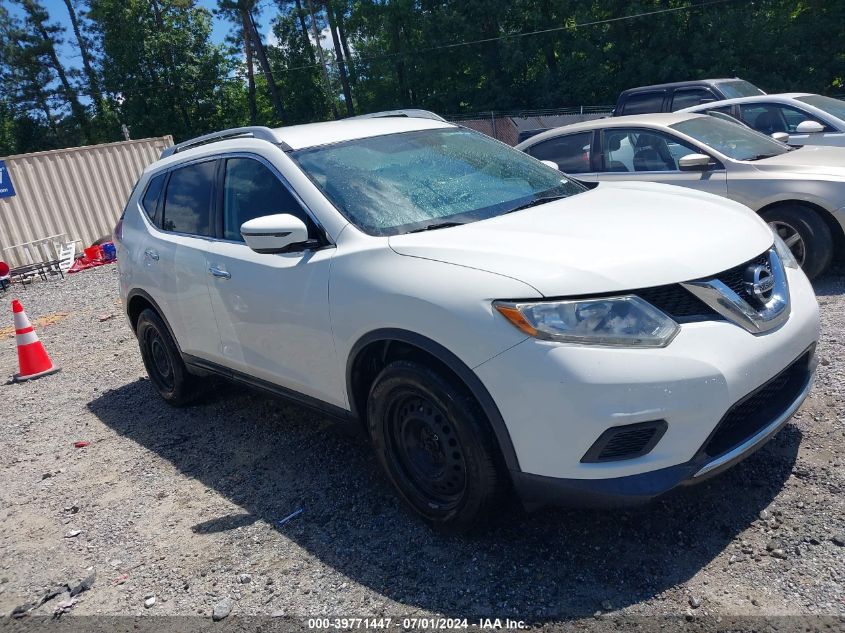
column 7, row 189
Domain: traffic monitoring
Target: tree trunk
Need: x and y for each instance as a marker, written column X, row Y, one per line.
column 265, row 66
column 395, row 49
column 316, row 32
column 341, row 65
column 250, row 73
column 87, row 66
column 341, row 29
column 300, row 14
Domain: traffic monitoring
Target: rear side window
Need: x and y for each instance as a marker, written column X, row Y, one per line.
column 188, row 201
column 571, row 152
column 643, row 103
column 150, row 201
column 688, row 97
column 251, row 190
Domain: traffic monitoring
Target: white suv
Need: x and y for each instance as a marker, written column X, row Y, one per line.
column 493, row 325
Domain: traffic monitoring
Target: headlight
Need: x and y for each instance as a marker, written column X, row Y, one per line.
column 783, row 252
column 625, row 321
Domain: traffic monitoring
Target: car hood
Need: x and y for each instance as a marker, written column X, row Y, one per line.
column 810, row 159
column 617, row 236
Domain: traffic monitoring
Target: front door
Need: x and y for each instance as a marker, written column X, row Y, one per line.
column 650, row 155
column 272, row 310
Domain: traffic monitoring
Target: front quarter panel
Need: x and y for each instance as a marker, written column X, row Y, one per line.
column 374, row 288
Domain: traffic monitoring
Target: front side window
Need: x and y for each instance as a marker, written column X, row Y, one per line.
column 688, row 97
column 734, row 141
column 150, row 201
column 643, row 103
column 628, row 150
column 768, row 118
column 188, row 201
column 251, row 190
column 571, row 152
column 397, row 183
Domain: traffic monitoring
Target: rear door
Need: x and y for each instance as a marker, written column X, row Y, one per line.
column 272, row 310
column 572, row 153
column 175, row 256
column 651, row 155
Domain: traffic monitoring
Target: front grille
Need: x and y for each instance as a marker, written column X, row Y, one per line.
column 680, row 304
column 759, row 408
column 625, row 442
column 677, row 302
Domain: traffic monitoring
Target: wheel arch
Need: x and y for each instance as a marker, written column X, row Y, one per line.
column 375, row 349
column 139, row 300
column 833, row 224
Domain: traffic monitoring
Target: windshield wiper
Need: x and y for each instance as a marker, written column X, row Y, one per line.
column 761, row 156
column 436, row 225
column 537, row 201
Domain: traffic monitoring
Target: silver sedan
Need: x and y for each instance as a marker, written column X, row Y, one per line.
column 804, row 118
column 799, row 191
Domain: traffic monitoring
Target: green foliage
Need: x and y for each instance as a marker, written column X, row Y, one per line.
column 158, row 71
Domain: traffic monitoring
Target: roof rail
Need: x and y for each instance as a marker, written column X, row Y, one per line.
column 411, row 113
column 256, row 131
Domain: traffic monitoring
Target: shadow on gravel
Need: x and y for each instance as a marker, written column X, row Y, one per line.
column 271, row 458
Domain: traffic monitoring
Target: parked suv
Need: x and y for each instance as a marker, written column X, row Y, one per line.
column 681, row 94
column 492, row 324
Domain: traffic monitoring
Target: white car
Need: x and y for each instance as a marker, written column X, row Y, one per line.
column 806, row 119
column 491, row 324
column 799, row 191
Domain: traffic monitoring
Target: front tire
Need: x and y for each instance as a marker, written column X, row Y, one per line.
column 435, row 445
column 807, row 235
column 163, row 360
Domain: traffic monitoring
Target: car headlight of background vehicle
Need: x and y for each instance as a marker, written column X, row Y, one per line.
column 625, row 321
column 784, row 253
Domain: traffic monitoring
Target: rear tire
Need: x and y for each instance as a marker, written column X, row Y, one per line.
column 807, row 235
column 435, row 445
column 163, row 361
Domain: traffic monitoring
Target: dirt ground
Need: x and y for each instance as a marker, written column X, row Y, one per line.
column 172, row 511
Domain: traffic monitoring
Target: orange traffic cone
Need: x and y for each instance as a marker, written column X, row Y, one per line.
column 32, row 357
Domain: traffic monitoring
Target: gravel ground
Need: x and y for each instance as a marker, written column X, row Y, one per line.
column 186, row 506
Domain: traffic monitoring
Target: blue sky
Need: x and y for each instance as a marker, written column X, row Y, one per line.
column 70, row 54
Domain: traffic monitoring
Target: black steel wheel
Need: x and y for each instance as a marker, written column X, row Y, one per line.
column 163, row 360
column 435, row 445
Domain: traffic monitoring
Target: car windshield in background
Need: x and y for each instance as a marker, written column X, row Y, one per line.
column 398, row 183
column 734, row 141
column 832, row 106
column 739, row 88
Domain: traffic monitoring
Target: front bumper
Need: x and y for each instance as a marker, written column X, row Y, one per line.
column 556, row 400
column 536, row 490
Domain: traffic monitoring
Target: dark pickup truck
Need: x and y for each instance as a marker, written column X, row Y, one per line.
column 681, row 94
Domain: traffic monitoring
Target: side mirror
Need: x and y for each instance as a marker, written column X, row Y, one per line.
column 694, row 162
column 274, row 233
column 783, row 137
column 809, row 127
column 551, row 164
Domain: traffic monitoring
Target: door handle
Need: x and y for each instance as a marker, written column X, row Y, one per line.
column 151, row 254
column 217, row 272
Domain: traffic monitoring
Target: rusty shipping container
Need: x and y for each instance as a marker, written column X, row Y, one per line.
column 79, row 192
